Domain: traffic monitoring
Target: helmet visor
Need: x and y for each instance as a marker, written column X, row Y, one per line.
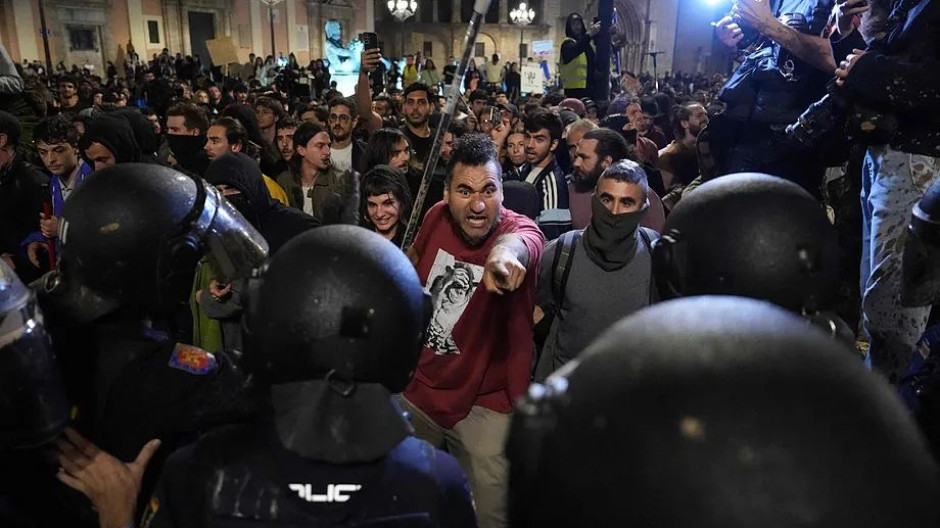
column 230, row 239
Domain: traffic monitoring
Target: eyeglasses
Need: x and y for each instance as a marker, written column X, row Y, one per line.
column 341, row 118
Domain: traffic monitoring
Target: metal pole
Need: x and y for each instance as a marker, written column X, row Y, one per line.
column 271, row 19
column 45, row 39
column 453, row 94
column 521, row 38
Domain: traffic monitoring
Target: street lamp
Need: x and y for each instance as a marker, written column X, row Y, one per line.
column 522, row 16
column 271, row 5
column 402, row 10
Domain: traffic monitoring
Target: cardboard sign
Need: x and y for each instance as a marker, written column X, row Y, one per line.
column 532, row 78
column 543, row 48
column 222, row 51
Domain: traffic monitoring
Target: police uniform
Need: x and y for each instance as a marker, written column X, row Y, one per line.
column 332, row 448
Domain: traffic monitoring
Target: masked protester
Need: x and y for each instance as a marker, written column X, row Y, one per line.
column 717, row 412
column 333, row 448
column 217, row 308
column 131, row 237
column 591, row 278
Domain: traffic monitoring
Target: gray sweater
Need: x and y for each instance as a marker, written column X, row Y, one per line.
column 594, row 300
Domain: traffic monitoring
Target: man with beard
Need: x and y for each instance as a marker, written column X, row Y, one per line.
column 284, row 138
column 479, row 261
column 346, row 153
column 186, row 128
column 313, row 185
column 417, row 111
column 597, row 151
column 589, row 279
column 69, row 101
column 679, row 160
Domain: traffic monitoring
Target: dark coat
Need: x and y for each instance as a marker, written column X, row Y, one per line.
column 276, row 222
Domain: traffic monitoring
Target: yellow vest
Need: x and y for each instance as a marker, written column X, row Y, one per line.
column 574, row 74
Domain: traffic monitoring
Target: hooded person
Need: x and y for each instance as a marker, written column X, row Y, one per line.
column 577, row 58
column 109, row 140
column 144, row 133
column 216, row 303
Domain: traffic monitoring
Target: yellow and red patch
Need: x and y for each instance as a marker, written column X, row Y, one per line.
column 192, row 359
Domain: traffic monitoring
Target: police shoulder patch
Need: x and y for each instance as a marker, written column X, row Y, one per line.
column 192, row 359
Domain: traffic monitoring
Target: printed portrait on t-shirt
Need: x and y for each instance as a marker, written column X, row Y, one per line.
column 451, row 284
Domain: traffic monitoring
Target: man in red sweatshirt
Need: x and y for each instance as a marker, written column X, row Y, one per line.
column 480, row 262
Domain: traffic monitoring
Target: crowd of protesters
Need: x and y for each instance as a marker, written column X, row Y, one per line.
column 542, row 221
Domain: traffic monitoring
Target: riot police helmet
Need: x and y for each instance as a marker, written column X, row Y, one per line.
column 751, row 235
column 134, row 233
column 717, row 411
column 339, row 302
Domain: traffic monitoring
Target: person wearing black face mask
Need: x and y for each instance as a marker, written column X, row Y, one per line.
column 216, row 305
column 591, row 278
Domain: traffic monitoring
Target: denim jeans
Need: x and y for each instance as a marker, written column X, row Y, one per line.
column 892, row 182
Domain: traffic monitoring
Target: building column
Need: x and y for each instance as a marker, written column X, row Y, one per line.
column 26, row 29
column 135, row 22
column 257, row 36
column 370, row 16
column 291, row 24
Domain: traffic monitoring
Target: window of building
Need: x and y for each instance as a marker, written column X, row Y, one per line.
column 492, row 14
column 445, row 10
column 466, row 10
column 153, row 32
column 82, row 39
column 428, row 49
column 426, row 11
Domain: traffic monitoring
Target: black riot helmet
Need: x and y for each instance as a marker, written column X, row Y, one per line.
column 338, row 301
column 920, row 267
column 751, row 235
column 33, row 406
column 134, row 233
column 717, row 412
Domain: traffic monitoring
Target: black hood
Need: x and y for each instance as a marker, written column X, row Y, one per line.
column 143, row 129
column 241, row 172
column 571, row 18
column 115, row 134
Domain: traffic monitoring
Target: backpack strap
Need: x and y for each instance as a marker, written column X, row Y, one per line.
column 648, row 244
column 561, row 267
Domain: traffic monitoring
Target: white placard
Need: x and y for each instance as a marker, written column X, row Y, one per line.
column 303, row 38
column 532, row 78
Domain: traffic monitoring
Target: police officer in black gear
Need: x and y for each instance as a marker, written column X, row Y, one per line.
column 33, row 406
column 335, row 326
column 920, row 272
column 756, row 236
column 717, row 412
column 131, row 236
